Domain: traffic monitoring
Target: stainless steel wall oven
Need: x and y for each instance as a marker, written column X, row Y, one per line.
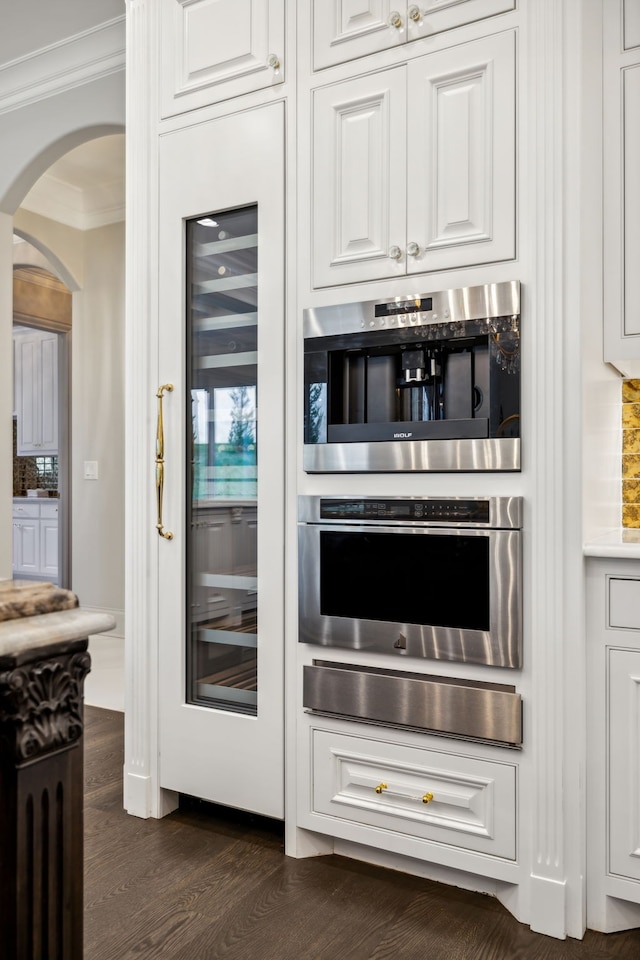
column 418, row 383
column 416, row 576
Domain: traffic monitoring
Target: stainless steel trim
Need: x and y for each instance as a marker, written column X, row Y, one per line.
column 451, row 306
column 504, row 512
column 405, row 456
column 478, row 711
column 500, row 646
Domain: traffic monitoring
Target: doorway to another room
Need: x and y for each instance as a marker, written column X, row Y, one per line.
column 41, row 328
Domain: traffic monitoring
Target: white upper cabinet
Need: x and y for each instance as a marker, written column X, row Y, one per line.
column 414, row 167
column 216, row 49
column 621, row 162
column 346, row 29
column 36, row 390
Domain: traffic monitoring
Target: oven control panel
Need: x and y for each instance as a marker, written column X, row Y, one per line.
column 436, row 511
column 479, row 512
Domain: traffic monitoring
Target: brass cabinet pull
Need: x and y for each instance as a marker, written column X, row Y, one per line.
column 426, row 798
column 166, row 534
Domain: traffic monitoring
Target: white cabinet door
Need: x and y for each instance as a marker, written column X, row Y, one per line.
column 36, row 385
column 27, row 357
column 621, row 162
column 216, row 49
column 27, row 546
column 624, row 763
column 346, row 29
column 433, row 192
column 461, row 156
column 359, row 179
column 49, row 547
column 221, row 347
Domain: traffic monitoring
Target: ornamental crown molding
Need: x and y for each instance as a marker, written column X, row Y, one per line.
column 90, row 55
column 81, row 208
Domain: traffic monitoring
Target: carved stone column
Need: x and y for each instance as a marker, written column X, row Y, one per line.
column 43, row 664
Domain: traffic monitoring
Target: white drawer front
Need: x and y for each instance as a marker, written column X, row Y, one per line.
column 460, row 801
column 49, row 511
column 21, row 510
column 624, row 603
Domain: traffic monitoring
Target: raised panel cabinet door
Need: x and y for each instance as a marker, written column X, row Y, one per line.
column 49, row 394
column 27, row 356
column 36, row 357
column 216, row 49
column 461, row 207
column 29, row 549
column 49, row 548
column 359, row 179
column 621, row 196
column 623, row 763
column 346, row 29
column 17, row 547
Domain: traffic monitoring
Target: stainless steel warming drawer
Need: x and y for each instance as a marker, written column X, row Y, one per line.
column 470, row 709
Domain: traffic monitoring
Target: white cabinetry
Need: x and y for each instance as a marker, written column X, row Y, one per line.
column 346, row 29
column 613, row 774
column 36, row 391
column 414, row 167
column 621, row 159
column 35, row 539
column 216, row 49
column 428, row 803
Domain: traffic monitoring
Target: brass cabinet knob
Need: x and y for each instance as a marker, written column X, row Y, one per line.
column 395, row 20
column 428, row 797
column 381, row 787
column 414, row 13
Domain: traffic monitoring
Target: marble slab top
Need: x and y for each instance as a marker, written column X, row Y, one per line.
column 50, row 629
column 28, row 598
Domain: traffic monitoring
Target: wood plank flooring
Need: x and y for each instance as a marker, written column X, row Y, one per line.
column 207, row 883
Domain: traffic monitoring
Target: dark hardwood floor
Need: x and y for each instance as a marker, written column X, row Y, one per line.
column 206, row 883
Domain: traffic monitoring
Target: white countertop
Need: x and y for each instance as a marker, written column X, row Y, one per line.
column 622, row 543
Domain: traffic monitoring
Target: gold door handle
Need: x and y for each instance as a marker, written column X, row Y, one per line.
column 160, row 462
column 380, row 787
column 428, row 797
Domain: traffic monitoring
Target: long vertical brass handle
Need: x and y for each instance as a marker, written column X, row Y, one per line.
column 166, row 534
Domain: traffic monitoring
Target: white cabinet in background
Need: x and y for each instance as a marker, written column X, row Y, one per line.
column 36, row 389
column 346, row 29
column 414, row 167
column 621, row 178
column 613, row 749
column 216, row 49
column 35, row 539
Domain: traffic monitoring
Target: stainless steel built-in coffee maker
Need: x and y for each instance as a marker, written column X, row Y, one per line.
column 422, row 383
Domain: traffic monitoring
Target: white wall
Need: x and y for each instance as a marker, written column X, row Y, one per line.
column 97, row 424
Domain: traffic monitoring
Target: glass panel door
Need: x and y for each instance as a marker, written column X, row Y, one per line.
column 222, row 384
column 221, row 347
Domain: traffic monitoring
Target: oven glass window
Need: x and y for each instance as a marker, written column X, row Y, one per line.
column 442, row 581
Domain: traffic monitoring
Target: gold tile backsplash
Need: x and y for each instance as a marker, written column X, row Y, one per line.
column 631, row 453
